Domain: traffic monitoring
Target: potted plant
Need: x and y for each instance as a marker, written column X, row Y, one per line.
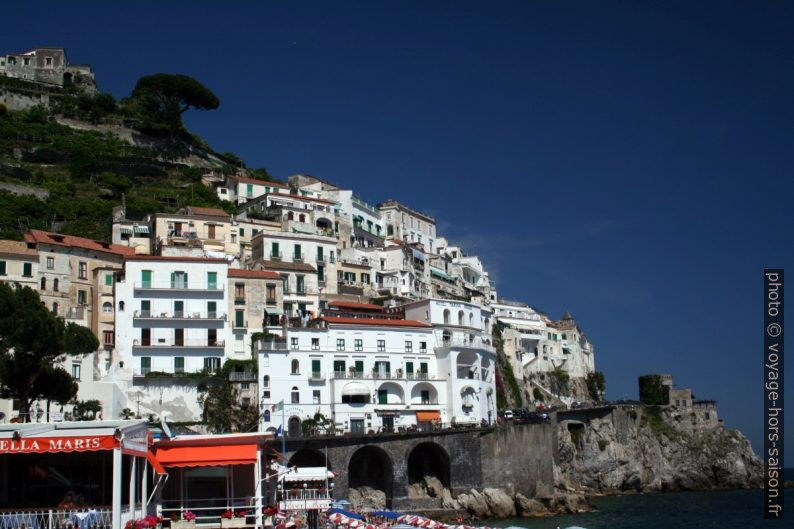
column 232, row 519
column 148, row 522
column 187, row 521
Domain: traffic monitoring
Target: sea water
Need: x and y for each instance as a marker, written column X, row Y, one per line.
column 736, row 509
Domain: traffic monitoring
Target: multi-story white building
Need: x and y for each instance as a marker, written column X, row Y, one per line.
column 171, row 325
column 19, row 263
column 371, row 373
column 406, row 224
column 255, row 305
column 462, row 336
column 240, row 189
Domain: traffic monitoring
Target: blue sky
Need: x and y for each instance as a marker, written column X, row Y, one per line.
column 628, row 161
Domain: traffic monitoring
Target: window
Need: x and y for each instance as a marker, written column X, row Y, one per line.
column 293, row 343
column 300, row 286
column 423, row 368
column 297, row 254
column 425, row 396
column 295, row 394
column 383, row 396
column 107, row 337
column 239, row 319
column 365, row 279
column 43, row 279
column 212, row 309
column 55, row 284
column 81, row 297
column 422, row 347
column 460, row 318
column 320, row 254
column 359, row 366
column 26, row 61
column 315, row 344
column 3, row 270
column 266, row 417
column 146, row 278
column 178, row 280
column 82, row 270
column 212, row 280
column 179, row 337
column 249, row 190
column 340, row 344
column 320, row 273
column 381, row 345
column 55, row 308
column 146, row 307
column 302, row 218
column 409, row 346
column 242, row 232
column 446, row 316
column 271, row 293
column 339, row 366
column 266, row 381
column 146, row 364
column 358, row 344
column 121, row 306
column 295, row 368
column 274, row 250
column 179, row 309
column 212, row 364
column 316, row 396
column 27, row 269
column 316, row 367
column 409, row 369
column 285, row 286
column 233, row 237
column 108, row 280
column 239, row 293
column 107, row 307
column 179, row 364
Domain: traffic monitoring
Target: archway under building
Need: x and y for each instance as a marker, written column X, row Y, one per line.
column 309, row 457
column 428, row 459
column 371, row 466
column 294, row 427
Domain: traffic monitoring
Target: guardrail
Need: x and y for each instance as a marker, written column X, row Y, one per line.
column 101, row 518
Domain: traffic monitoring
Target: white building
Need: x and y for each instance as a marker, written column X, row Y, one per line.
column 408, row 225
column 241, row 189
column 171, row 325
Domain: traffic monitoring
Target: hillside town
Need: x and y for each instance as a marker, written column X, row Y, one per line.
column 362, row 313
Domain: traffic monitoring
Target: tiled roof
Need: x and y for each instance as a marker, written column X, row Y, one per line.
column 288, row 265
column 380, row 322
column 16, row 247
column 209, row 212
column 246, row 180
column 56, row 239
column 354, row 305
column 254, row 274
column 188, row 259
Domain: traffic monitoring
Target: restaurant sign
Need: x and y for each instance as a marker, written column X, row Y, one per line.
column 38, row 445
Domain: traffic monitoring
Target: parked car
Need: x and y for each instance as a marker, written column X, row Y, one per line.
column 509, row 415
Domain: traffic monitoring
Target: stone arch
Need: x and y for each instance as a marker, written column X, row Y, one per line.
column 309, row 457
column 371, row 466
column 461, row 320
column 466, row 364
column 446, row 316
column 428, row 459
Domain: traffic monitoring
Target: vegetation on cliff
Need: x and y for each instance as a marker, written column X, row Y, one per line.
column 505, row 379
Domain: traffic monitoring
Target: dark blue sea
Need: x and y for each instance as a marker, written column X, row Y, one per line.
column 738, row 509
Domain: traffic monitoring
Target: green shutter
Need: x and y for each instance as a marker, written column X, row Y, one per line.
column 212, row 280
column 409, row 368
column 108, row 279
column 383, row 396
column 320, row 273
column 27, row 269
column 359, row 366
column 315, row 366
column 146, row 278
column 212, row 307
column 239, row 318
column 423, row 368
column 146, row 305
column 2, row 268
column 173, row 279
column 319, row 253
column 297, row 251
column 242, row 232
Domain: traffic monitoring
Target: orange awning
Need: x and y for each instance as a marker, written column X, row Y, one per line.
column 428, row 416
column 207, row 456
column 158, row 468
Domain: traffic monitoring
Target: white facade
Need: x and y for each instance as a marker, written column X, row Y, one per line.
column 408, row 225
column 171, row 320
column 375, row 375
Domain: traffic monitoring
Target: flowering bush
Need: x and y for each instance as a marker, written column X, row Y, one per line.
column 228, row 515
column 188, row 516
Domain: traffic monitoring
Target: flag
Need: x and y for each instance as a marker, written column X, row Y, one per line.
column 278, row 432
column 277, row 407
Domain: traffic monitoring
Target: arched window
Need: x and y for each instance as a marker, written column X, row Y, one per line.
column 295, row 367
column 266, row 381
column 302, row 217
column 44, row 283
column 446, row 338
column 460, row 318
column 55, row 308
column 296, row 398
column 390, row 230
column 107, row 307
column 55, row 284
column 121, row 306
column 471, row 319
column 267, row 415
column 446, row 316
column 290, row 216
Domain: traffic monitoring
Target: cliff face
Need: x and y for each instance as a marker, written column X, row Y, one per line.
column 650, row 449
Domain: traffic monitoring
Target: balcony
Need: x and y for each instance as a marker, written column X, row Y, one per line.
column 353, row 375
column 272, row 345
column 239, row 300
column 178, row 315
column 271, row 302
column 472, row 344
column 178, row 286
column 320, row 259
column 316, row 376
column 165, row 344
column 242, row 376
column 331, row 259
column 417, row 376
column 76, row 313
column 240, row 324
column 147, row 372
column 297, row 258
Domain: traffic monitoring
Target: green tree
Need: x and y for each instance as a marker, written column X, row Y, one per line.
column 165, row 97
column 32, row 340
column 651, row 390
column 221, row 411
column 86, row 410
column 596, row 385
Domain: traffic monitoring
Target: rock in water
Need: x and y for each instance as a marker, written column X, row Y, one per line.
column 529, row 507
column 500, row 504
